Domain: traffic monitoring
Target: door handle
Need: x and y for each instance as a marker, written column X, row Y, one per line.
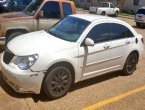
column 127, row 42
column 106, row 46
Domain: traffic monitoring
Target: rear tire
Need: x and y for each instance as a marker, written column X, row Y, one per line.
column 138, row 24
column 57, row 82
column 130, row 64
column 103, row 13
column 116, row 14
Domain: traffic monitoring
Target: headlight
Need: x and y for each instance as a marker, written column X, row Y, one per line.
column 25, row 62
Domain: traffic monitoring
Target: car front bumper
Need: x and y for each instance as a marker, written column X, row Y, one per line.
column 22, row 81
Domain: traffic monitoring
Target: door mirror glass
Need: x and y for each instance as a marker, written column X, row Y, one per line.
column 89, row 42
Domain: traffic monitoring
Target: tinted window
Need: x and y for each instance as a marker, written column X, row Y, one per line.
column 111, row 5
column 105, row 5
column 141, row 11
column 51, row 10
column 99, row 33
column 32, row 8
column 67, row 9
column 119, row 31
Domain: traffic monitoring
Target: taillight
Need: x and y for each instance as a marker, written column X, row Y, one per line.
column 142, row 40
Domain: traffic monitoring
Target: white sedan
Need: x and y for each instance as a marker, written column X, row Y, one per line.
column 78, row 47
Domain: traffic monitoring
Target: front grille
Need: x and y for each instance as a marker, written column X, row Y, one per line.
column 8, row 56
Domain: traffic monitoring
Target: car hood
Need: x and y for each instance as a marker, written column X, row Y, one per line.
column 13, row 16
column 37, row 42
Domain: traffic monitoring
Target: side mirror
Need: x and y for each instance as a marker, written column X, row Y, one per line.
column 40, row 14
column 89, row 42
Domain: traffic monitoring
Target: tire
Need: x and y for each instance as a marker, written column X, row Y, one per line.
column 103, row 13
column 13, row 35
column 57, row 82
column 138, row 24
column 130, row 64
column 116, row 14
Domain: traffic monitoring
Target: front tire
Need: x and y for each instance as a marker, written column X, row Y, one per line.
column 130, row 64
column 57, row 82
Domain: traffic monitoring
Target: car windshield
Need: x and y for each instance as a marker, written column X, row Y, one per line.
column 69, row 29
column 105, row 4
column 32, row 8
column 141, row 11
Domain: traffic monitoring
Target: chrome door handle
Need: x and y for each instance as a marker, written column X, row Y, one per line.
column 106, row 46
column 127, row 42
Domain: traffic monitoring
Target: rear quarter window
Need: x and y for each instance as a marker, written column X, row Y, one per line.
column 67, row 9
column 118, row 31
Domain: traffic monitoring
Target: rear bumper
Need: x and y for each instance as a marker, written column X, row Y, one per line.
column 140, row 21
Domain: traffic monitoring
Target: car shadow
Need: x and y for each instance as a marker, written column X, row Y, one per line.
column 43, row 98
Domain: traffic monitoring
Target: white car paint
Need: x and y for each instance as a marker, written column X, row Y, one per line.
column 88, row 61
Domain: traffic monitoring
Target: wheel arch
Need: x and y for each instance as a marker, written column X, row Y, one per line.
column 137, row 54
column 9, row 31
column 62, row 63
column 136, row 51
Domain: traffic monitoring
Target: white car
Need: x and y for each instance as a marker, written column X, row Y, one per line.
column 79, row 47
column 140, row 17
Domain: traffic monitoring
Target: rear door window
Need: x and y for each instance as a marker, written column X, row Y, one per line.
column 51, row 9
column 118, row 31
column 67, row 9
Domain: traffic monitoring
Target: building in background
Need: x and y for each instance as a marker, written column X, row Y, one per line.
column 132, row 5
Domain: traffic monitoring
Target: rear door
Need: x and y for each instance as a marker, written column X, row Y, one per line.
column 121, row 40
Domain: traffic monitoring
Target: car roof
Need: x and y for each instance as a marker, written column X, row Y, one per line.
column 92, row 17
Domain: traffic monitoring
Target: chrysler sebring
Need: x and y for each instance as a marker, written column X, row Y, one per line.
column 78, row 47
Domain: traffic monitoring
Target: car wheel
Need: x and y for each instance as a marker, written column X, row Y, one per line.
column 103, row 13
column 130, row 64
column 138, row 24
column 13, row 35
column 57, row 82
column 116, row 13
